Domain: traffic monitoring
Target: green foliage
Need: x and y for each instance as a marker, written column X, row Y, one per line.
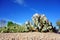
column 40, row 24
column 3, row 29
column 13, row 28
column 10, row 23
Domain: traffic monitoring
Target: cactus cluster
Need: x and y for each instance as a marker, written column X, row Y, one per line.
column 40, row 23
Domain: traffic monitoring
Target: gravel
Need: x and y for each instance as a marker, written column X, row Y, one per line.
column 29, row 36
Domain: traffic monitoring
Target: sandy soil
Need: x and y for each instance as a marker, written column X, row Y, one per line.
column 29, row 36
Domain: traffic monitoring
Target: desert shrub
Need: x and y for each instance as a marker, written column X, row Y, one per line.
column 40, row 23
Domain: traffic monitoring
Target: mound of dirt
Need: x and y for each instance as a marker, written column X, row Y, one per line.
column 29, row 36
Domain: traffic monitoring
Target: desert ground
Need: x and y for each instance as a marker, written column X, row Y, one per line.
column 29, row 36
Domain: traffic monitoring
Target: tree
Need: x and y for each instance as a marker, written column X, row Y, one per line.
column 10, row 23
column 58, row 23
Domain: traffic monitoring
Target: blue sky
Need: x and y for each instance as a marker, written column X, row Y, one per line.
column 22, row 10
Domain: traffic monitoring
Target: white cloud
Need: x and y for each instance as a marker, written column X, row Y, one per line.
column 34, row 9
column 21, row 2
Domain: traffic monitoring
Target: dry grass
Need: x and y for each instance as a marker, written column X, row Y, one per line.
column 29, row 36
